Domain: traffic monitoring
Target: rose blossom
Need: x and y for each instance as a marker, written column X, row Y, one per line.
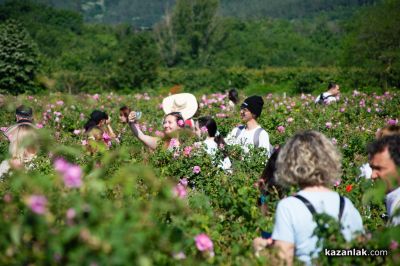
column 37, row 203
column 203, row 242
column 196, row 169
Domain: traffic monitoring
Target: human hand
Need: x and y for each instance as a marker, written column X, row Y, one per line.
column 132, row 117
column 260, row 243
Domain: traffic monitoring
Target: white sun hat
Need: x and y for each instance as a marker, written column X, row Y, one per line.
column 185, row 103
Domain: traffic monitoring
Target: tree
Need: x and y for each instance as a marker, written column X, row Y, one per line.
column 138, row 62
column 188, row 33
column 18, row 58
column 373, row 43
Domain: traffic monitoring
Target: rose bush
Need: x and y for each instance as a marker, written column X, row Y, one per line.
column 125, row 205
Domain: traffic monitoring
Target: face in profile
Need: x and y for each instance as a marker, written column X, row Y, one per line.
column 170, row 124
column 336, row 90
column 383, row 167
column 122, row 118
column 245, row 114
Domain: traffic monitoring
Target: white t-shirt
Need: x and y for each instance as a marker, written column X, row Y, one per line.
column 328, row 98
column 392, row 204
column 211, row 149
column 294, row 222
column 246, row 138
column 4, row 168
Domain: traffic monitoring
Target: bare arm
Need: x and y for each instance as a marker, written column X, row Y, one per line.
column 149, row 141
column 285, row 251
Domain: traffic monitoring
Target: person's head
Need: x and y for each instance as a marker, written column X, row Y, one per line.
column 270, row 168
column 389, row 130
column 123, row 114
column 333, row 88
column 308, row 159
column 172, row 122
column 206, row 122
column 251, row 108
column 233, row 95
column 97, row 118
column 23, row 146
column 384, row 159
column 23, row 113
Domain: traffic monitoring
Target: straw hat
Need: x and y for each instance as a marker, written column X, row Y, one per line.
column 185, row 103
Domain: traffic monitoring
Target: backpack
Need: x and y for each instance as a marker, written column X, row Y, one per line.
column 322, row 98
column 311, row 208
column 256, row 137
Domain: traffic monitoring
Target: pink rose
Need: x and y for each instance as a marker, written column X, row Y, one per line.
column 59, row 102
column 187, row 150
column 328, row 125
column 95, row 97
column 173, row 143
column 203, row 242
column 60, row 165
column 77, row 131
column 180, row 191
column 37, row 203
column 281, row 129
column 181, row 123
column 73, row 177
column 290, row 120
column 39, row 125
column 203, row 129
column 196, row 169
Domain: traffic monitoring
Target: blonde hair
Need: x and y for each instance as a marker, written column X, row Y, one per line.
column 308, row 159
column 23, row 145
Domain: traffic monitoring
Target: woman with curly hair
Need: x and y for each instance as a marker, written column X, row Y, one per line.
column 310, row 161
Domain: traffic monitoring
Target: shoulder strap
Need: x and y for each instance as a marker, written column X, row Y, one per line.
column 238, row 131
column 341, row 207
column 256, row 137
column 308, row 204
column 311, row 208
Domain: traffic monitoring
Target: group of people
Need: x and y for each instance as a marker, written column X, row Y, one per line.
column 308, row 160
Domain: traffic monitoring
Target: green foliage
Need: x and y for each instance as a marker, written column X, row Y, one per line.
column 18, row 58
column 126, row 210
column 137, row 64
column 372, row 43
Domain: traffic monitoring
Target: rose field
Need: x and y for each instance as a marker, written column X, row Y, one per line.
column 125, row 205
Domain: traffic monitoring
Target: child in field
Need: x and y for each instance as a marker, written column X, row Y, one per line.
column 329, row 96
column 98, row 128
column 214, row 141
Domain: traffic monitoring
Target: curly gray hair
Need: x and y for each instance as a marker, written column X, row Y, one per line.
column 308, row 159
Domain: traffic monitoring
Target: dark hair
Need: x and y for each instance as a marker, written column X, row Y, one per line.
column 211, row 125
column 95, row 117
column 270, row 168
column 178, row 116
column 233, row 95
column 125, row 111
column 392, row 143
column 331, row 85
column 24, row 111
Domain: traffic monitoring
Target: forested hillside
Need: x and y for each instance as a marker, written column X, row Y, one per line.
column 199, row 45
column 146, row 13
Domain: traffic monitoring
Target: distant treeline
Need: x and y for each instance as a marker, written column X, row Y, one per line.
column 42, row 48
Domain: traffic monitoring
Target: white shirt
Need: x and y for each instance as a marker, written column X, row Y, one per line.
column 246, row 138
column 294, row 222
column 4, row 168
column 392, row 204
column 328, row 98
column 211, row 148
